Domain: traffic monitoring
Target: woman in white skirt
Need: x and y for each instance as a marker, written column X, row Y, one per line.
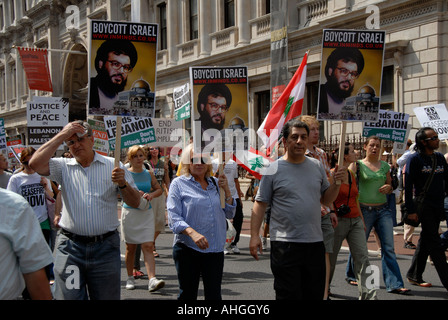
column 137, row 224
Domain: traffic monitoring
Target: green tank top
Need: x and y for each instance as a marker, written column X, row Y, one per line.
column 370, row 181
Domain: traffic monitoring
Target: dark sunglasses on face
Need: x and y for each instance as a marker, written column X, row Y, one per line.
column 197, row 160
column 433, row 138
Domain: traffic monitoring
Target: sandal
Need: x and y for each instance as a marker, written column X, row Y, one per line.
column 402, row 291
column 409, row 245
column 138, row 274
column 156, row 255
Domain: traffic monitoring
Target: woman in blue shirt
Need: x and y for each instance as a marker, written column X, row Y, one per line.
column 199, row 223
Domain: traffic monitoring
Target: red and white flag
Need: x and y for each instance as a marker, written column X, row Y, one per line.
column 288, row 106
column 254, row 162
column 35, row 64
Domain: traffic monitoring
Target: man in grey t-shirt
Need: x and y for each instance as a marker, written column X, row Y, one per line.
column 295, row 193
column 4, row 175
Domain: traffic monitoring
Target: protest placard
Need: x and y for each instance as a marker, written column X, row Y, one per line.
column 351, row 75
column 2, row 135
column 46, row 116
column 219, row 109
column 434, row 116
column 182, row 103
column 390, row 126
column 166, row 130
column 13, row 141
column 134, row 131
column 100, row 140
column 123, row 61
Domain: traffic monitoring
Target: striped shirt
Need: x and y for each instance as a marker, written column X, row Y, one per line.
column 89, row 196
column 319, row 154
column 189, row 205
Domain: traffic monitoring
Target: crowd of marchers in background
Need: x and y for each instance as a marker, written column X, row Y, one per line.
column 59, row 214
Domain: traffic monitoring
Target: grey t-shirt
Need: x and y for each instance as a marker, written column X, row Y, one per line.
column 294, row 193
column 4, row 179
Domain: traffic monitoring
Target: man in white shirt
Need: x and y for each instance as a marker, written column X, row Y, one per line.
column 88, row 255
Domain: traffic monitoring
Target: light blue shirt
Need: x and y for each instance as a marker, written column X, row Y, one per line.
column 23, row 248
column 89, row 196
column 189, row 205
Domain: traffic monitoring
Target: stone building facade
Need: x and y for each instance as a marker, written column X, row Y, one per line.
column 225, row 33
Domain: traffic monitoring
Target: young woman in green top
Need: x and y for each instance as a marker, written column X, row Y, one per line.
column 374, row 185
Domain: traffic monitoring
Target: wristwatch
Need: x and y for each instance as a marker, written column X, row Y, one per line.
column 125, row 185
column 228, row 198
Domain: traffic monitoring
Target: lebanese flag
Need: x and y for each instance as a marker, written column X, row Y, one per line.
column 287, row 107
column 255, row 162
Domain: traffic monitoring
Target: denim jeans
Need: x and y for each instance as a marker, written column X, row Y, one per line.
column 381, row 219
column 84, row 270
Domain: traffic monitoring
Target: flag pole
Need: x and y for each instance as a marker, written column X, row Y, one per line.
column 341, row 148
column 51, row 50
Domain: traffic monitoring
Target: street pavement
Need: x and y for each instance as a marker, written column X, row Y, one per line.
column 247, row 279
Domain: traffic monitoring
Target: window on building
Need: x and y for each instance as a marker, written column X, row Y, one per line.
column 2, row 21
column 2, row 85
column 312, row 97
column 387, row 89
column 13, row 71
column 163, row 26
column 194, row 20
column 267, row 6
column 263, row 100
column 229, row 13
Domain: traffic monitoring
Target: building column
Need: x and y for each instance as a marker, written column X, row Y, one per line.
column 204, row 27
column 243, row 17
column 173, row 20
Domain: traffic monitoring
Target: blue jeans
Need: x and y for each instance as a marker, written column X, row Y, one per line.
column 381, row 219
column 87, row 270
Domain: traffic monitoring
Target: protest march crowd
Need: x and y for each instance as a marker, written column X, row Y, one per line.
column 307, row 208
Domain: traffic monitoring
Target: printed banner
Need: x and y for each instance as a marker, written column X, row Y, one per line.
column 279, row 48
column 391, row 126
column 45, row 116
column 2, row 134
column 219, row 106
column 35, row 64
column 434, row 116
column 123, row 61
column 100, row 141
column 351, row 75
column 134, row 131
column 182, row 103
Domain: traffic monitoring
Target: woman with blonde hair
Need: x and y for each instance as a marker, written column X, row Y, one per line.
column 137, row 224
column 198, row 222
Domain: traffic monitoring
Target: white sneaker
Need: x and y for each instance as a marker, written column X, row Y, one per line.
column 235, row 249
column 155, row 284
column 130, row 283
